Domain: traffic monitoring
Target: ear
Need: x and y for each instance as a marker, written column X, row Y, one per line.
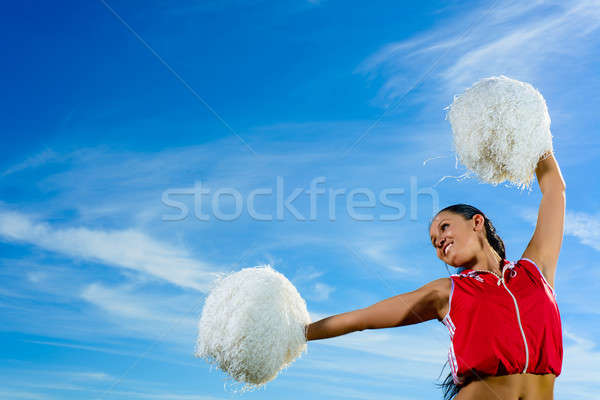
column 478, row 222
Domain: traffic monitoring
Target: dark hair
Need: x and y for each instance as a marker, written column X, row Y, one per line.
column 449, row 388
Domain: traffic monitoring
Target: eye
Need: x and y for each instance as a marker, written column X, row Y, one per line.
column 444, row 226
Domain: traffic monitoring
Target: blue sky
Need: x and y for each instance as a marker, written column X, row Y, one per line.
column 100, row 294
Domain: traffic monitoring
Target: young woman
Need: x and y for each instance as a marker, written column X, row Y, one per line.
column 503, row 320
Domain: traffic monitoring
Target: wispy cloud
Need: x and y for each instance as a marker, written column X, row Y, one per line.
column 426, row 343
column 132, row 352
column 316, row 291
column 102, row 392
column 580, row 373
column 390, row 356
column 321, row 291
column 583, row 226
column 305, row 274
column 581, row 357
column 514, row 38
column 402, row 357
column 341, row 388
column 8, row 393
column 382, row 253
column 129, row 249
column 32, row 162
column 411, row 347
column 137, row 314
column 387, row 355
column 85, row 347
column 87, row 376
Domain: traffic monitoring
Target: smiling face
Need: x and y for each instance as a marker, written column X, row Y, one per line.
column 456, row 240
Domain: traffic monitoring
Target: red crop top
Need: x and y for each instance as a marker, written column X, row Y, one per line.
column 503, row 326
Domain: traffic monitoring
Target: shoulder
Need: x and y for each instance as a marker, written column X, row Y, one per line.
column 439, row 290
column 537, row 270
column 435, row 290
column 442, row 285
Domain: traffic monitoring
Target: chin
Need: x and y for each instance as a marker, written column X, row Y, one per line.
column 451, row 263
column 455, row 261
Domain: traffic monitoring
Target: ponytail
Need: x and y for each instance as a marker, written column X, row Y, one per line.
column 494, row 240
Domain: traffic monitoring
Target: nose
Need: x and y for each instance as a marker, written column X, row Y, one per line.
column 441, row 242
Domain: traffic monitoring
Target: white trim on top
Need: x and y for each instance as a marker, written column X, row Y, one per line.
column 450, row 325
column 454, row 364
column 541, row 274
column 449, row 299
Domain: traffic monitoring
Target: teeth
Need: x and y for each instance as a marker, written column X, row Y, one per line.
column 446, row 249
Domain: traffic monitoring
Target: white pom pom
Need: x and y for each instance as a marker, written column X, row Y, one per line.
column 501, row 130
column 252, row 325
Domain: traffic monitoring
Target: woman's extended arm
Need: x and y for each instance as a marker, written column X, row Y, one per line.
column 545, row 244
column 426, row 303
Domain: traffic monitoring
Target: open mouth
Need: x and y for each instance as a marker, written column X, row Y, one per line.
column 447, row 247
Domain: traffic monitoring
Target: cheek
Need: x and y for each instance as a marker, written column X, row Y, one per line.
column 470, row 243
column 462, row 233
column 464, row 242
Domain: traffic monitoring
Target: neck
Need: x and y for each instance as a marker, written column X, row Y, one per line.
column 487, row 260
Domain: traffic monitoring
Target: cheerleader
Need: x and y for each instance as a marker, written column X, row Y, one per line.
column 502, row 316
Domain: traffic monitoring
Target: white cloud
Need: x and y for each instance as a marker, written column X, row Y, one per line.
column 581, row 359
column 321, row 291
column 317, row 291
column 583, row 226
column 406, row 357
column 580, row 375
column 8, row 393
column 420, row 347
column 32, row 162
column 103, row 185
column 381, row 253
column 36, row 276
column 129, row 249
column 514, row 38
column 526, row 49
column 138, row 314
column 427, row 342
column 135, row 352
column 342, row 388
column 391, row 354
column 305, row 274
column 108, row 350
column 87, row 376
column 107, row 392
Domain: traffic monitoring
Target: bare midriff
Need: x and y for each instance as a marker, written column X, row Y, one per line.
column 510, row 387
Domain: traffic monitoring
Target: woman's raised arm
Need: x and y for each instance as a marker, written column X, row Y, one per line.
column 426, row 303
column 545, row 244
